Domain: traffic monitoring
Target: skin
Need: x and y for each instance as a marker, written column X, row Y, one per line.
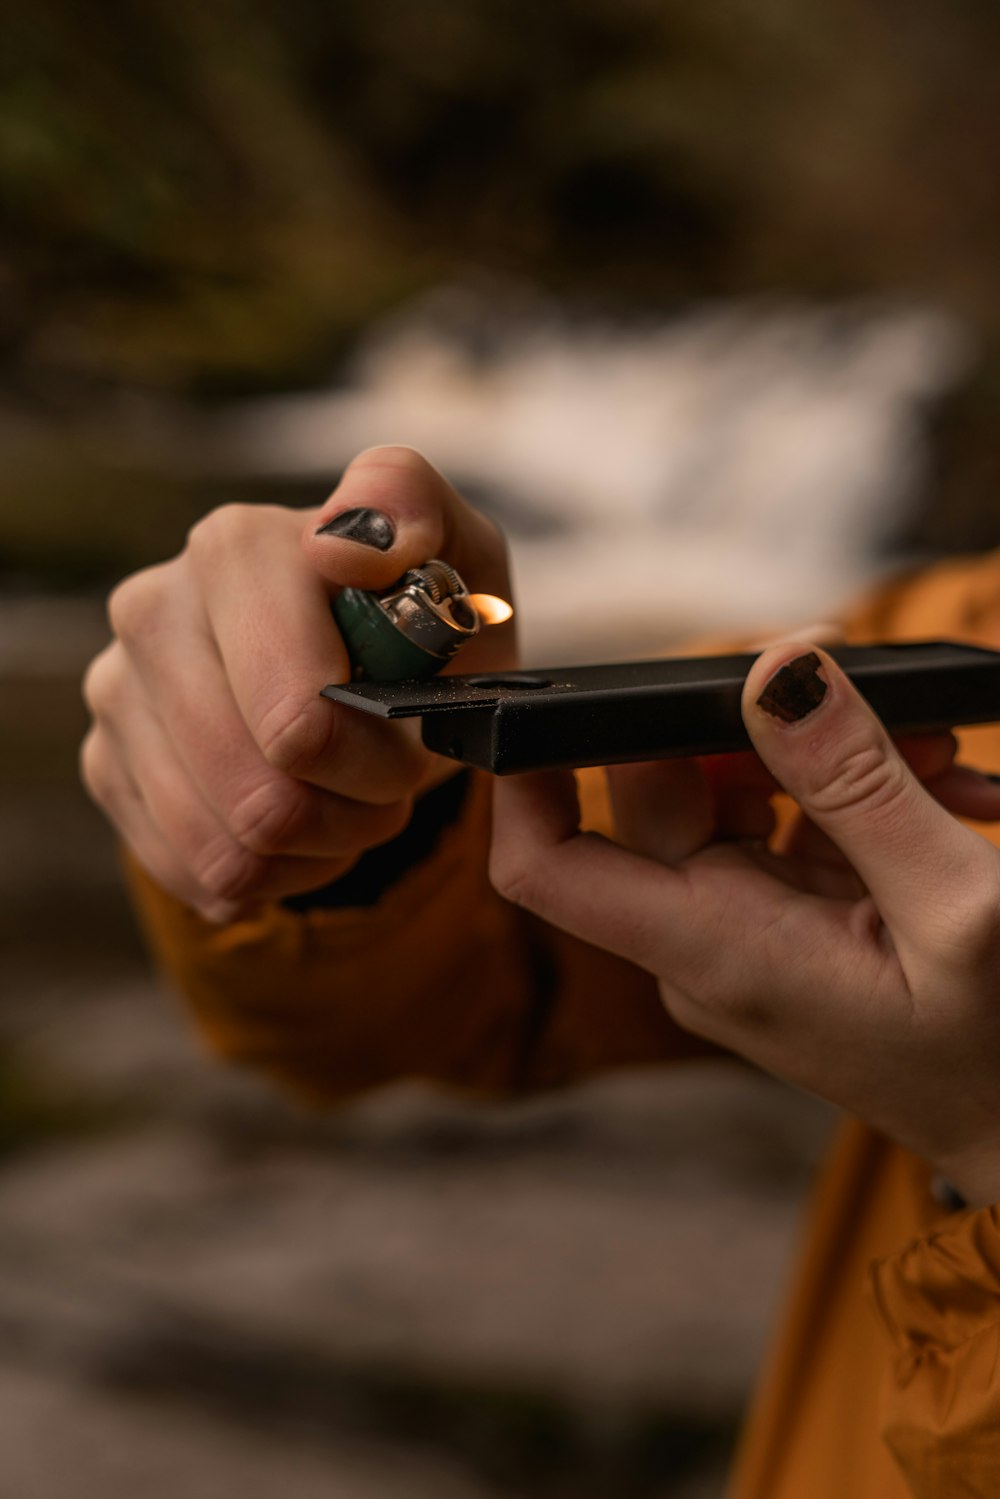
column 856, row 953
column 211, row 751
column 853, row 951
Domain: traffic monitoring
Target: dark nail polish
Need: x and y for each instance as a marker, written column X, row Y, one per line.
column 370, row 527
column 794, row 691
column 989, row 775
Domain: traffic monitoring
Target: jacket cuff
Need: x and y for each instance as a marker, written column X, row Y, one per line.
column 380, row 868
column 944, row 1289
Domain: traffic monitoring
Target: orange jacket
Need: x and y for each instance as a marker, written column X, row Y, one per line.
column 874, row 1393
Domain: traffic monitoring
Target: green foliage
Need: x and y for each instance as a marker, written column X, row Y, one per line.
column 221, row 195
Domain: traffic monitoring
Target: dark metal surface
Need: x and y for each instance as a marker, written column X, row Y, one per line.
column 646, row 710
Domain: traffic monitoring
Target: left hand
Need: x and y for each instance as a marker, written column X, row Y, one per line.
column 856, row 954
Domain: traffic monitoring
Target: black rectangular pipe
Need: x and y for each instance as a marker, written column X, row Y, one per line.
column 648, row 710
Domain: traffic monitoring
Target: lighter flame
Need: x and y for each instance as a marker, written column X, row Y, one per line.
column 491, row 610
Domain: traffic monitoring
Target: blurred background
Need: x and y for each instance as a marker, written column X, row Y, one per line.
column 701, row 301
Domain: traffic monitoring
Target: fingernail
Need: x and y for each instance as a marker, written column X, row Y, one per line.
column 795, row 691
column 989, row 775
column 370, row 527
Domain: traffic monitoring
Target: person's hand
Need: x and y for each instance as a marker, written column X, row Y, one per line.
column 211, row 750
column 855, row 953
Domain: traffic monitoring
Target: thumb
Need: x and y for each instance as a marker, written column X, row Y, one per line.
column 391, row 511
column 823, row 743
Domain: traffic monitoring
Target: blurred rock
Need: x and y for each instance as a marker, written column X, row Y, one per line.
column 62, row 1437
column 571, row 1270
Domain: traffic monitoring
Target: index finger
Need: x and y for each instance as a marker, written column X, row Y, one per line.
column 650, row 913
column 269, row 615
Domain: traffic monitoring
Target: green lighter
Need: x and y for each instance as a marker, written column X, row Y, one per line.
column 414, row 627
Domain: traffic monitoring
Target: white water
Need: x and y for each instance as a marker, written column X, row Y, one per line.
column 738, row 468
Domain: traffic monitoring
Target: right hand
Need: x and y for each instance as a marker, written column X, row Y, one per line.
column 232, row 781
column 854, row 953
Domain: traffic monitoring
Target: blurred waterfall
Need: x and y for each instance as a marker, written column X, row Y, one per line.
column 743, row 466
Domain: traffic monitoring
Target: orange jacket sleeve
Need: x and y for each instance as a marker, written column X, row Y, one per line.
column 939, row 1298
column 940, row 1301
column 440, row 979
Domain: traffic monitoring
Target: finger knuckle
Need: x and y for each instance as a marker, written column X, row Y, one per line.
column 685, row 1012
column 864, row 776
column 266, row 819
column 130, row 605
column 295, row 735
column 516, row 879
column 723, row 994
column 390, row 819
column 137, row 604
column 219, row 912
column 221, row 529
column 226, row 871
column 94, row 768
column 101, row 681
